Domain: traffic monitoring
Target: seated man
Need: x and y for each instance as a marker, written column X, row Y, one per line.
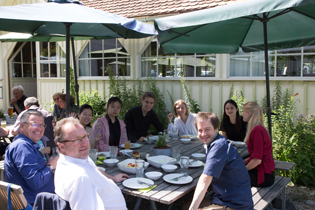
column 18, row 101
column 31, row 103
column 24, row 164
column 224, row 168
column 77, row 179
column 139, row 119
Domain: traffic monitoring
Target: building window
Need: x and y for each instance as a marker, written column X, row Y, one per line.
column 104, row 57
column 52, row 60
column 24, row 61
column 293, row 62
column 157, row 64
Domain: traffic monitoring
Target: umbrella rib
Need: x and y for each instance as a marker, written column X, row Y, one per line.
column 247, row 31
column 114, row 31
column 184, row 34
column 303, row 14
column 281, row 13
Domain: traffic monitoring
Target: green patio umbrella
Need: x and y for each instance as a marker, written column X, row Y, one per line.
column 252, row 25
column 69, row 19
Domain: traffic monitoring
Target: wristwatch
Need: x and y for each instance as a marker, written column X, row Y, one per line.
column 51, row 167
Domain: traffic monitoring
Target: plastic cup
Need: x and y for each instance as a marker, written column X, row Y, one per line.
column 127, row 145
column 11, row 111
column 93, row 155
column 3, row 124
column 176, row 153
column 175, row 133
column 184, row 163
column 139, row 168
column 113, row 152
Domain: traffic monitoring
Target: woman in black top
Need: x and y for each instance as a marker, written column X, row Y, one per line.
column 232, row 126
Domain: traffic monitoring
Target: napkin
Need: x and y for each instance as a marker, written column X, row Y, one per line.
column 145, row 190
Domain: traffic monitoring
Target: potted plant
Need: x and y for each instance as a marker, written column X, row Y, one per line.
column 161, row 148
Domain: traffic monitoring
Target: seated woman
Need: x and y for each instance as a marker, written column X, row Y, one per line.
column 57, row 110
column 109, row 130
column 232, row 126
column 85, row 117
column 63, row 104
column 260, row 164
column 184, row 121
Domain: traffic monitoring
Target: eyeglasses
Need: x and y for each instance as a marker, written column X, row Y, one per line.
column 77, row 140
column 56, row 99
column 36, row 125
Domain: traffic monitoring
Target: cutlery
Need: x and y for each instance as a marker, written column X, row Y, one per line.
column 141, row 182
column 179, row 177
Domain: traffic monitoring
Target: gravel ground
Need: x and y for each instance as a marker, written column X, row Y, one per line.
column 302, row 198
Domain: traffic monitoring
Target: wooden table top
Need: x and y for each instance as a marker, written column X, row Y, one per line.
column 164, row 192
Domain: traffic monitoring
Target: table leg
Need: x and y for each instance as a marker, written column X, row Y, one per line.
column 138, row 203
column 153, row 206
column 283, row 198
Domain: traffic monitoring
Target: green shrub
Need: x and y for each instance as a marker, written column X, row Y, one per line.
column 192, row 104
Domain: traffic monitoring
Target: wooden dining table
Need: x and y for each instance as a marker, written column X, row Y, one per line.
column 165, row 193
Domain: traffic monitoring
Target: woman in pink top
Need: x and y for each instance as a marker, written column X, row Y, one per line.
column 260, row 164
column 109, row 130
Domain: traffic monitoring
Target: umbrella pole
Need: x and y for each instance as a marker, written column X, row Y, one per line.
column 76, row 86
column 67, row 25
column 268, row 108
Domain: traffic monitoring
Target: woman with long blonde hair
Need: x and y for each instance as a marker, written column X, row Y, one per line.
column 260, row 164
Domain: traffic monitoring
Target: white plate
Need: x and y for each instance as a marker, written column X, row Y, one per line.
column 126, row 151
column 132, row 145
column 133, row 183
column 184, row 180
column 106, row 154
column 195, row 164
column 123, row 166
column 238, row 143
column 103, row 169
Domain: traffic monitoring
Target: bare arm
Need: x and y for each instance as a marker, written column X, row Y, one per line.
column 253, row 163
column 201, row 189
column 224, row 134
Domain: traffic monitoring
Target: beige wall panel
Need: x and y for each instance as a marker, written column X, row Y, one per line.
column 301, row 98
column 205, row 106
column 310, row 106
column 216, row 103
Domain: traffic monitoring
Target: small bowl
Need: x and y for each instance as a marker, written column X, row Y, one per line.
column 198, row 156
column 169, row 168
column 154, row 175
column 110, row 162
column 185, row 140
column 149, row 140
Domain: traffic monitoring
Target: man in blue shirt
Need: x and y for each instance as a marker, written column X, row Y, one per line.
column 24, row 164
column 224, row 169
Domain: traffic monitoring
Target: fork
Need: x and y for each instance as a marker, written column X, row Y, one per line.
column 179, row 177
column 141, row 182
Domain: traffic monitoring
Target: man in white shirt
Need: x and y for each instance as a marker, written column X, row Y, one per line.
column 77, row 179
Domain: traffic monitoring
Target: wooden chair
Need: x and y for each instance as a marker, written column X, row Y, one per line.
column 17, row 197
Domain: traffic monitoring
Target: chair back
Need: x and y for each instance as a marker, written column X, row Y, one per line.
column 50, row 201
column 18, row 199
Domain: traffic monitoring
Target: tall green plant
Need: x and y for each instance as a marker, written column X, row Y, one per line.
column 192, row 104
column 238, row 97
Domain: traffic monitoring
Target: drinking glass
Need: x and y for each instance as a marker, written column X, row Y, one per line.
column 184, row 163
column 93, row 155
column 113, row 152
column 139, row 168
column 175, row 133
column 167, row 135
column 176, row 153
column 127, row 145
column 11, row 111
column 3, row 123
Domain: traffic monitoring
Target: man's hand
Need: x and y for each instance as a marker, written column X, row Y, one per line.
column 14, row 101
column 120, row 177
column 45, row 150
column 53, row 161
column 141, row 139
column 170, row 117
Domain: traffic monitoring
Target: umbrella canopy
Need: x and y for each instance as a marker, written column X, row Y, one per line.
column 223, row 29
column 252, row 25
column 69, row 20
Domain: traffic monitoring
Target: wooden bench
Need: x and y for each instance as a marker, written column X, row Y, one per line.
column 263, row 196
column 283, row 166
